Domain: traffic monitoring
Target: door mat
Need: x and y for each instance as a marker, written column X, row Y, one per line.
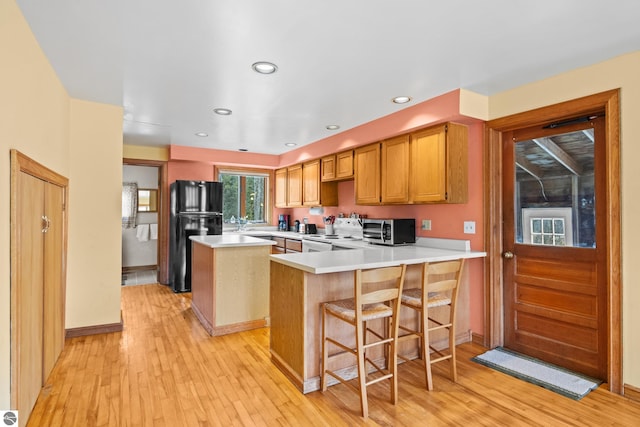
column 551, row 377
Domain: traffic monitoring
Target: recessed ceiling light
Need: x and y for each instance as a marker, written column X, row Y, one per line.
column 290, row 144
column 202, row 134
column 401, row 99
column 243, row 149
column 264, row 67
column 333, row 127
column 222, row 111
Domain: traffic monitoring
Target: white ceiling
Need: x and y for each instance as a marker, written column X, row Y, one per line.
column 170, row 62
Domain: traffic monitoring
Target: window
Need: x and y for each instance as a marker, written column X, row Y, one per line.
column 245, row 195
column 548, row 226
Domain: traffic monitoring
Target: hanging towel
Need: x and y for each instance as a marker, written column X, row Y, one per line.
column 142, row 232
column 153, row 231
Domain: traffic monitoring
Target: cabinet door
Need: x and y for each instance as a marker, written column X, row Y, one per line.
column 328, row 168
column 28, row 296
column 439, row 164
column 311, row 183
column 394, row 170
column 294, row 186
column 281, row 188
column 344, row 165
column 367, row 175
column 54, row 278
column 428, row 165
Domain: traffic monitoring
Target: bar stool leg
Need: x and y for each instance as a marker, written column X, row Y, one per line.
column 362, row 372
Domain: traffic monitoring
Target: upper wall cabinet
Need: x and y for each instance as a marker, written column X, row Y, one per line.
column 281, row 188
column 439, row 164
column 394, row 170
column 337, row 166
column 367, row 174
column 328, row 168
column 315, row 192
column 294, row 186
column 427, row 166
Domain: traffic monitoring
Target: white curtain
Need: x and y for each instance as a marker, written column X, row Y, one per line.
column 129, row 204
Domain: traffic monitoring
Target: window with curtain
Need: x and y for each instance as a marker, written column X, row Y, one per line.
column 129, row 204
column 245, row 195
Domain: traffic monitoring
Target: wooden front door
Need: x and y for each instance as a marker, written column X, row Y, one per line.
column 555, row 242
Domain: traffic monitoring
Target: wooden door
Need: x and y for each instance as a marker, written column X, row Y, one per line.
column 38, row 276
column 555, row 244
column 344, row 164
column 328, row 168
column 27, row 293
column 367, row 175
column 281, row 188
column 311, row 183
column 54, row 277
column 428, row 161
column 294, row 186
column 394, row 170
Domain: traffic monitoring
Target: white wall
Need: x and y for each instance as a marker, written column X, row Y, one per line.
column 134, row 252
column 34, row 119
column 95, row 246
column 77, row 139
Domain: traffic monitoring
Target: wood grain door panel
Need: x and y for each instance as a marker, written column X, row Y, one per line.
column 54, row 278
column 555, row 296
column 29, row 292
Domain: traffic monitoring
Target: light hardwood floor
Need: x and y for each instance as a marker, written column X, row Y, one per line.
column 165, row 370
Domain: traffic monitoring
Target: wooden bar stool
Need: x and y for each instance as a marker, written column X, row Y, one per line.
column 436, row 291
column 376, row 296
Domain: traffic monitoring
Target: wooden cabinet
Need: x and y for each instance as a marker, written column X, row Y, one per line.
column 294, row 186
column 315, row 192
column 328, row 168
column 279, row 247
column 394, row 170
column 367, row 174
column 427, row 166
column 230, row 287
column 344, row 165
column 293, row 245
column 281, row 192
column 337, row 166
column 439, row 164
column 284, row 245
column 38, row 257
column 311, row 183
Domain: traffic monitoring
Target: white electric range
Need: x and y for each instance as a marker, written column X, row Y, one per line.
column 347, row 231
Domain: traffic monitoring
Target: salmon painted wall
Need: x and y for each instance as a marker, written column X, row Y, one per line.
column 446, row 220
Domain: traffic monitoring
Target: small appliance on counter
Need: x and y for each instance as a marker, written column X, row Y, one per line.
column 389, row 231
column 296, row 226
column 283, row 222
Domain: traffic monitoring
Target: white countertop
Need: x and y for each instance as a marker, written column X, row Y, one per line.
column 265, row 233
column 370, row 257
column 231, row 240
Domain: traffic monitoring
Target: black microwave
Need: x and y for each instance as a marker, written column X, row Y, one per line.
column 389, row 231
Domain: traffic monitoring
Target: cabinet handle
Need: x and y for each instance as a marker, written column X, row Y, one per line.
column 46, row 223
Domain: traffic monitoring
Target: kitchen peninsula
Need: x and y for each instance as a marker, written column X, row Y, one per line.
column 301, row 282
column 230, row 282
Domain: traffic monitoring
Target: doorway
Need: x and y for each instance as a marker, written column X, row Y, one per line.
column 144, row 258
column 553, row 279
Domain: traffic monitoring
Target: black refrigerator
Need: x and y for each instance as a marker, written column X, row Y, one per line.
column 196, row 209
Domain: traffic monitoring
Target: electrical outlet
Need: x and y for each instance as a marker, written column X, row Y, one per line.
column 426, row 224
column 470, row 227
